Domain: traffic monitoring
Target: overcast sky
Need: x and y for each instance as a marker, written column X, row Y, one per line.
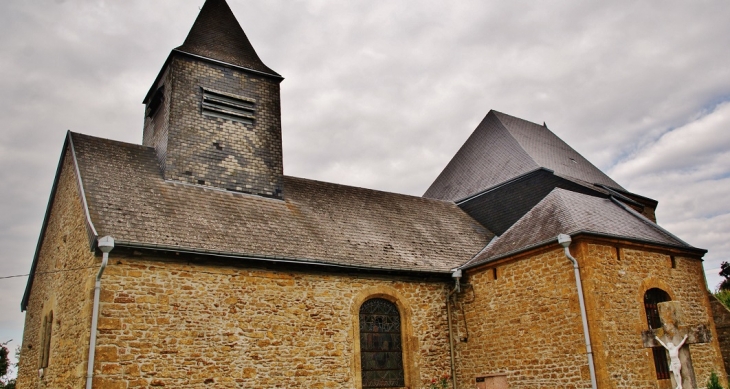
column 381, row 94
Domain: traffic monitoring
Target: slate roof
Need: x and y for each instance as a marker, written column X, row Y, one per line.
column 216, row 34
column 504, row 147
column 567, row 212
column 318, row 222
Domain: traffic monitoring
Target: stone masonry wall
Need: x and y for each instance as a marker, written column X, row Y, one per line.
column 526, row 323
column 615, row 279
column 219, row 152
column 63, row 283
column 174, row 324
column 721, row 315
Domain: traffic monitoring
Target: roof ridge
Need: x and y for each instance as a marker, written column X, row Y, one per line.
column 427, row 199
column 97, row 138
column 498, row 113
column 646, row 221
column 504, row 125
column 563, row 208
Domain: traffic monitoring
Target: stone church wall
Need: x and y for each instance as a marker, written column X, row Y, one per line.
column 615, row 280
column 526, row 323
column 64, row 284
column 181, row 325
column 722, row 323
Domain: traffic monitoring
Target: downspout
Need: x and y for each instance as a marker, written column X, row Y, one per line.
column 564, row 241
column 456, row 275
column 106, row 244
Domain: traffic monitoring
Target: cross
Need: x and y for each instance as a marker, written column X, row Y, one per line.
column 674, row 331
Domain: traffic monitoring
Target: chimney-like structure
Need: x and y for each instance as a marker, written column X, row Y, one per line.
column 213, row 114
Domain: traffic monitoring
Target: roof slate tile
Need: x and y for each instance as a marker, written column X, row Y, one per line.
column 317, row 221
column 504, row 147
column 216, row 34
column 567, row 212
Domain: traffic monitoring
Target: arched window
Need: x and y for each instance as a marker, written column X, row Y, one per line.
column 46, row 339
column 652, row 298
column 381, row 353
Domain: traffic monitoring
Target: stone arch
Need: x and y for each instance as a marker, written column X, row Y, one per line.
column 45, row 335
column 408, row 340
column 650, row 283
column 658, row 291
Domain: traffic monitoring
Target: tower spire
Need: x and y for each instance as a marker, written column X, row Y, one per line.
column 217, row 35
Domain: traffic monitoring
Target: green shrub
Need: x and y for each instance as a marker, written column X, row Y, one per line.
column 724, row 297
column 713, row 382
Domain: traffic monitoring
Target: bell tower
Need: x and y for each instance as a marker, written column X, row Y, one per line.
column 213, row 114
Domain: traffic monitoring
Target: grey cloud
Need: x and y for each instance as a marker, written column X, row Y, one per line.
column 381, row 94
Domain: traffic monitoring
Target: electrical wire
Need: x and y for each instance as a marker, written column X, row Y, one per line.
column 48, row 272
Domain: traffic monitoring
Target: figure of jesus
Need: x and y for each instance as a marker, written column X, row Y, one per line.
column 675, row 364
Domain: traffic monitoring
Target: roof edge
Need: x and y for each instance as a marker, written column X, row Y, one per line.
column 689, row 249
column 620, row 195
column 275, row 76
column 67, row 147
column 651, row 202
column 265, row 258
column 646, row 221
column 90, row 229
column 501, row 184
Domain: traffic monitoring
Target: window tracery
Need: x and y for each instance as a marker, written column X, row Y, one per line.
column 381, row 351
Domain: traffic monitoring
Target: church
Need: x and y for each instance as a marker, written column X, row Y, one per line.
column 193, row 261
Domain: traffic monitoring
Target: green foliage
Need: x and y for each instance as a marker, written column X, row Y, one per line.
column 725, row 273
column 724, row 297
column 4, row 360
column 5, row 381
column 713, row 382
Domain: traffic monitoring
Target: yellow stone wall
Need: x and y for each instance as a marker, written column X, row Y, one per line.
column 182, row 325
column 63, row 283
column 615, row 280
column 526, row 323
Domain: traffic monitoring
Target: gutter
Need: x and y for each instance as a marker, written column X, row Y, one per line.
column 106, row 244
column 564, row 241
column 688, row 248
column 271, row 259
column 456, row 274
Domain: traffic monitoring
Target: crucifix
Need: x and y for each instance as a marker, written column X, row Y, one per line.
column 676, row 337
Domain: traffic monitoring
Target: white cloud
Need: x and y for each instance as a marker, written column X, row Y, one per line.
column 698, row 150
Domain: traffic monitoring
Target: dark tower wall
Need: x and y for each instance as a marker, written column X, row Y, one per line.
column 214, row 113
column 197, row 148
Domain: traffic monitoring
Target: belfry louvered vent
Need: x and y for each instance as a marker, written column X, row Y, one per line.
column 227, row 106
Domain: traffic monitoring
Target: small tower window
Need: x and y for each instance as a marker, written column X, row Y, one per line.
column 228, row 106
column 156, row 102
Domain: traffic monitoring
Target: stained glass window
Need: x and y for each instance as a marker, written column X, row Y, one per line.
column 381, row 352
